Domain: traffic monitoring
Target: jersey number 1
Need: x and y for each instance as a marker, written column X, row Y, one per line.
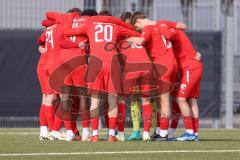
column 103, row 31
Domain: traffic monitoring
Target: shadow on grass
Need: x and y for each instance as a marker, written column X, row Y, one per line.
column 217, row 140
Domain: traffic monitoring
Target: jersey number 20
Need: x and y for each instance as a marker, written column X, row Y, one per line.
column 103, row 31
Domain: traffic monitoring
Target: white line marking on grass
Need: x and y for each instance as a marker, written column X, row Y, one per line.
column 18, row 133
column 118, row 152
column 29, row 133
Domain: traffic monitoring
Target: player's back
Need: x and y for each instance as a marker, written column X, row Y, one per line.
column 178, row 38
column 52, row 48
column 101, row 35
column 185, row 44
column 73, row 22
column 159, row 47
column 77, row 21
column 133, row 52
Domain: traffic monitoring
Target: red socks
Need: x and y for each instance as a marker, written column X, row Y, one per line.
column 85, row 123
column 188, row 123
column 49, row 114
column 164, row 123
column 94, row 123
column 58, row 119
column 42, row 117
column 85, row 119
column 121, row 116
column 147, row 116
column 195, row 122
column 74, row 127
column 57, row 123
column 71, row 126
column 68, row 125
column 112, row 122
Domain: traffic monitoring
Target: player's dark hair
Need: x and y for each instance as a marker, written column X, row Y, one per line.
column 89, row 12
column 125, row 16
column 76, row 10
column 137, row 15
column 105, row 13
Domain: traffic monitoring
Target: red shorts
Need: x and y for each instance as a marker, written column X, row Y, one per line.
column 189, row 85
column 170, row 75
column 168, row 69
column 139, row 80
column 167, row 76
column 104, row 83
column 137, row 71
column 43, row 76
column 76, row 78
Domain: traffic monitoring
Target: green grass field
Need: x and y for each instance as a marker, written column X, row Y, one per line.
column 21, row 144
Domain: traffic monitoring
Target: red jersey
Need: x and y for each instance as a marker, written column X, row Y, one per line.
column 54, row 41
column 133, row 52
column 70, row 20
column 159, row 47
column 111, row 19
column 101, row 34
column 184, row 51
column 167, row 28
column 62, row 18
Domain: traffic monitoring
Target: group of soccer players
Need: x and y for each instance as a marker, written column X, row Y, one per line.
column 93, row 63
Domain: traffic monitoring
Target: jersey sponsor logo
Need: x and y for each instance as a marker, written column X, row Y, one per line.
column 75, row 24
column 182, row 88
column 76, row 20
column 163, row 25
column 122, row 45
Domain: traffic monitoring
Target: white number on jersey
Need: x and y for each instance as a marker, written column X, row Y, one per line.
column 49, row 38
column 74, row 25
column 105, row 30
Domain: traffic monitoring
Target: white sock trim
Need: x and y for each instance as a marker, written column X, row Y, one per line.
column 120, row 133
column 163, row 133
column 85, row 131
column 190, row 131
column 111, row 132
column 95, row 132
column 158, row 130
column 43, row 130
